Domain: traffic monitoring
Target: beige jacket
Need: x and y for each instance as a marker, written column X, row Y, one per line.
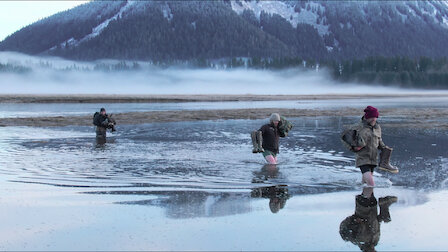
column 371, row 137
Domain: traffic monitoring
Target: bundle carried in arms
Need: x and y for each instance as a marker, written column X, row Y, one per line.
column 284, row 126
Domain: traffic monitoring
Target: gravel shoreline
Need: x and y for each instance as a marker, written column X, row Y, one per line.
column 412, row 117
column 100, row 98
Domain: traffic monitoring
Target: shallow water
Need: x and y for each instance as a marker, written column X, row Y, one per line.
column 11, row 110
column 196, row 185
column 212, row 154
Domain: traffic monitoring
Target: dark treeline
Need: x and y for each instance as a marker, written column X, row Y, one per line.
column 418, row 73
column 8, row 68
column 421, row 72
column 120, row 66
column 405, row 72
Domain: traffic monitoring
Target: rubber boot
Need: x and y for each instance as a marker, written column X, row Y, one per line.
column 385, row 160
column 384, row 208
column 260, row 141
column 253, row 135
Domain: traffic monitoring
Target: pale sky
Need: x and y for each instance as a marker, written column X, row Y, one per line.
column 18, row 14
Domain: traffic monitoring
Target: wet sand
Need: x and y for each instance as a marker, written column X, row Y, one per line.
column 101, row 98
column 412, row 117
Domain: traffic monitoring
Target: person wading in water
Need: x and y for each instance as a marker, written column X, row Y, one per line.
column 102, row 121
column 365, row 140
column 266, row 139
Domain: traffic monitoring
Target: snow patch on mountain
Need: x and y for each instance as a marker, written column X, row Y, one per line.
column 441, row 10
column 445, row 21
column 166, row 10
column 445, row 2
column 429, row 8
column 403, row 14
column 98, row 29
column 307, row 16
column 411, row 10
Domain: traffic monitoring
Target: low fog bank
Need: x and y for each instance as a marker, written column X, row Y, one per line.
column 50, row 75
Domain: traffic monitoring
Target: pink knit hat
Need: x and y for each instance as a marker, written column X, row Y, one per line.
column 371, row 112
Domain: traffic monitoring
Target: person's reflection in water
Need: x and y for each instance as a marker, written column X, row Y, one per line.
column 277, row 195
column 268, row 171
column 363, row 227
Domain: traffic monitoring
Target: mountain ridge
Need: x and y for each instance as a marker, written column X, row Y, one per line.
column 185, row 30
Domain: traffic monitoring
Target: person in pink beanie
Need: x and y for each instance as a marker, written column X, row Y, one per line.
column 369, row 141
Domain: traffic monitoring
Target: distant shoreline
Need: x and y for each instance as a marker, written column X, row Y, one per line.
column 410, row 117
column 107, row 98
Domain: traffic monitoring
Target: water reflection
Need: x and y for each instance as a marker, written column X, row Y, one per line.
column 363, row 227
column 277, row 194
column 195, row 204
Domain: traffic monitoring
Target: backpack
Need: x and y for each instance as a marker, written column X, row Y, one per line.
column 94, row 116
column 284, row 127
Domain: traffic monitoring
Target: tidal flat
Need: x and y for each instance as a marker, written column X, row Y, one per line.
column 195, row 184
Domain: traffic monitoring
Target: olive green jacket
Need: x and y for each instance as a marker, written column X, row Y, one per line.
column 372, row 141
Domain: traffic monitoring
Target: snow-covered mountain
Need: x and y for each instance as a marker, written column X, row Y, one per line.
column 210, row 29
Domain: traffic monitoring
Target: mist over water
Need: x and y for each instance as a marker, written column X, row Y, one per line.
column 49, row 75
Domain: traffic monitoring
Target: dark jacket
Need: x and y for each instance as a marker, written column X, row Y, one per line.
column 100, row 120
column 270, row 137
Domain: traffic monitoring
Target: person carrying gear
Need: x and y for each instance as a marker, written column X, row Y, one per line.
column 266, row 139
column 365, row 139
column 103, row 121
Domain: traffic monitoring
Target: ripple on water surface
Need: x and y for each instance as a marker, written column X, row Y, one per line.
column 210, row 155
